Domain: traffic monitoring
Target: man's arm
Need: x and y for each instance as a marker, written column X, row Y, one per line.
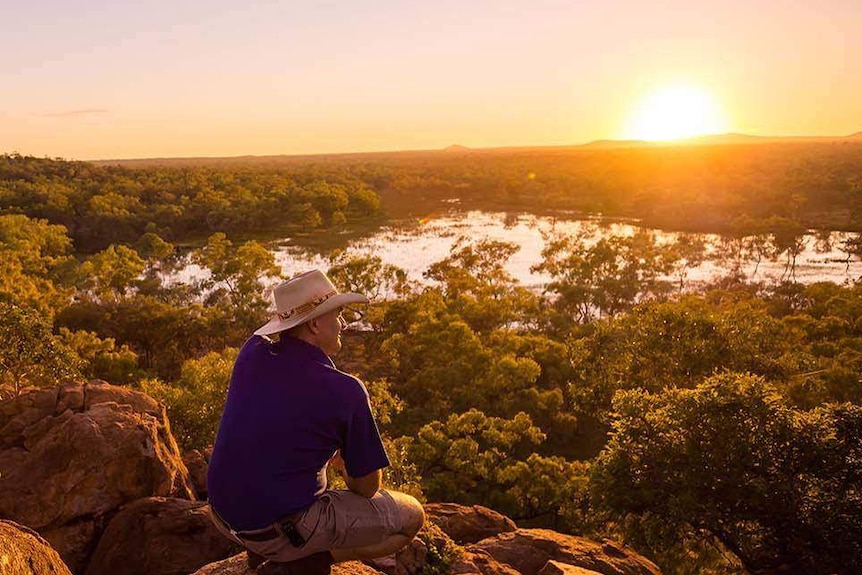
column 366, row 486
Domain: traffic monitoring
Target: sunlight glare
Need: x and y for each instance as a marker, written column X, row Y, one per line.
column 676, row 112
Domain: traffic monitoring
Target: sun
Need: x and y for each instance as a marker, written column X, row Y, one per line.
column 674, row 113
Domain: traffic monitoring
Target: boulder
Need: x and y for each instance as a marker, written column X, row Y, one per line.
column 468, row 524
column 24, row 552
column 430, row 551
column 197, row 464
column 556, row 568
column 480, row 563
column 529, row 550
column 71, row 456
column 237, row 565
column 74, row 541
column 160, row 536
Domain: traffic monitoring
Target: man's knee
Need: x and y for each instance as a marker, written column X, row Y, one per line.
column 411, row 512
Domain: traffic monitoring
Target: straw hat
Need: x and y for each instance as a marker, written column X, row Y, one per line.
column 305, row 297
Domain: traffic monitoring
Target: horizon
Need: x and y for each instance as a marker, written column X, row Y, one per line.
column 701, row 140
column 193, row 80
column 694, row 141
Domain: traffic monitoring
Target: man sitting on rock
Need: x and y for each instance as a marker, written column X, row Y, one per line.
column 289, row 414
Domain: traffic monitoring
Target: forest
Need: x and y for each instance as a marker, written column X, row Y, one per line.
column 716, row 429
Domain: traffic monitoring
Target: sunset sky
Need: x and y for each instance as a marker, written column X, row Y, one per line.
column 95, row 80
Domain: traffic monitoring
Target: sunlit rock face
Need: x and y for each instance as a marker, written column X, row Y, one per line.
column 468, row 524
column 238, row 565
column 160, row 535
column 528, row 551
column 197, row 463
column 510, row 552
column 71, row 456
column 556, row 568
column 23, row 551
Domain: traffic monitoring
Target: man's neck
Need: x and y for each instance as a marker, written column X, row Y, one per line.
column 308, row 338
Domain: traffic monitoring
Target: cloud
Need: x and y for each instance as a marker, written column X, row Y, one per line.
column 75, row 113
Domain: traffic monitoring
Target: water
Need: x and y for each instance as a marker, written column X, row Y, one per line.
column 414, row 246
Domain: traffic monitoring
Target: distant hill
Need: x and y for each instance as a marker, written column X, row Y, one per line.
column 731, row 139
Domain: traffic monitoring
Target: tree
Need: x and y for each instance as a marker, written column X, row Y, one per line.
column 367, row 275
column 686, row 253
column 475, row 285
column 439, row 365
column 472, row 458
column 30, row 355
column 679, row 344
column 112, row 273
column 731, row 460
column 160, row 255
column 102, row 358
column 603, row 278
column 788, row 237
column 34, row 263
column 236, row 273
column 195, row 401
column 161, row 334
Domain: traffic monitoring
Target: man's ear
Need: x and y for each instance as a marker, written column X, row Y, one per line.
column 313, row 326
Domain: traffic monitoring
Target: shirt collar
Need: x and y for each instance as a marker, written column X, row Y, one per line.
column 303, row 348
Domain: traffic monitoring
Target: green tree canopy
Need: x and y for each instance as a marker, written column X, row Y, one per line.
column 679, row 344
column 30, row 355
column 473, row 458
column 196, row 400
column 35, row 265
column 732, row 460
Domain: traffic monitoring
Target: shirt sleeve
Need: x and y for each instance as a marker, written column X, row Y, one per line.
column 363, row 450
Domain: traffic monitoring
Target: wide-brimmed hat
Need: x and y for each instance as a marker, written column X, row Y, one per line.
column 303, row 298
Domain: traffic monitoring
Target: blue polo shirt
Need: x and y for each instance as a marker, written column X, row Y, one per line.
column 288, row 409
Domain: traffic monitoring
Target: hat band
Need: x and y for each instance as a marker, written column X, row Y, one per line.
column 306, row 307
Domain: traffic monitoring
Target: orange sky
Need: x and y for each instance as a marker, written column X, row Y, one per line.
column 192, row 78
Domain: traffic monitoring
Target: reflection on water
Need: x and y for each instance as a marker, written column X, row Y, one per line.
column 414, row 246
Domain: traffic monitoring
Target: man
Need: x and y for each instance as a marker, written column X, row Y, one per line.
column 289, row 415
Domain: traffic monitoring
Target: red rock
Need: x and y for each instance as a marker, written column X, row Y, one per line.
column 480, row 563
column 468, row 524
column 74, row 542
column 197, row 463
column 237, row 565
column 529, row 550
column 557, row 568
column 71, row 456
column 160, row 536
column 24, row 552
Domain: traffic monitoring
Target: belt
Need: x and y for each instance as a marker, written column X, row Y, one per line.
column 258, row 535
column 266, row 535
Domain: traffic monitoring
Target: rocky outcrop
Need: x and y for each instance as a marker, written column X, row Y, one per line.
column 557, row 568
column 480, row 563
column 529, row 550
column 197, row 463
column 71, row 456
column 468, row 524
column 24, row 552
column 160, row 536
column 431, row 550
column 95, row 470
column 237, row 565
